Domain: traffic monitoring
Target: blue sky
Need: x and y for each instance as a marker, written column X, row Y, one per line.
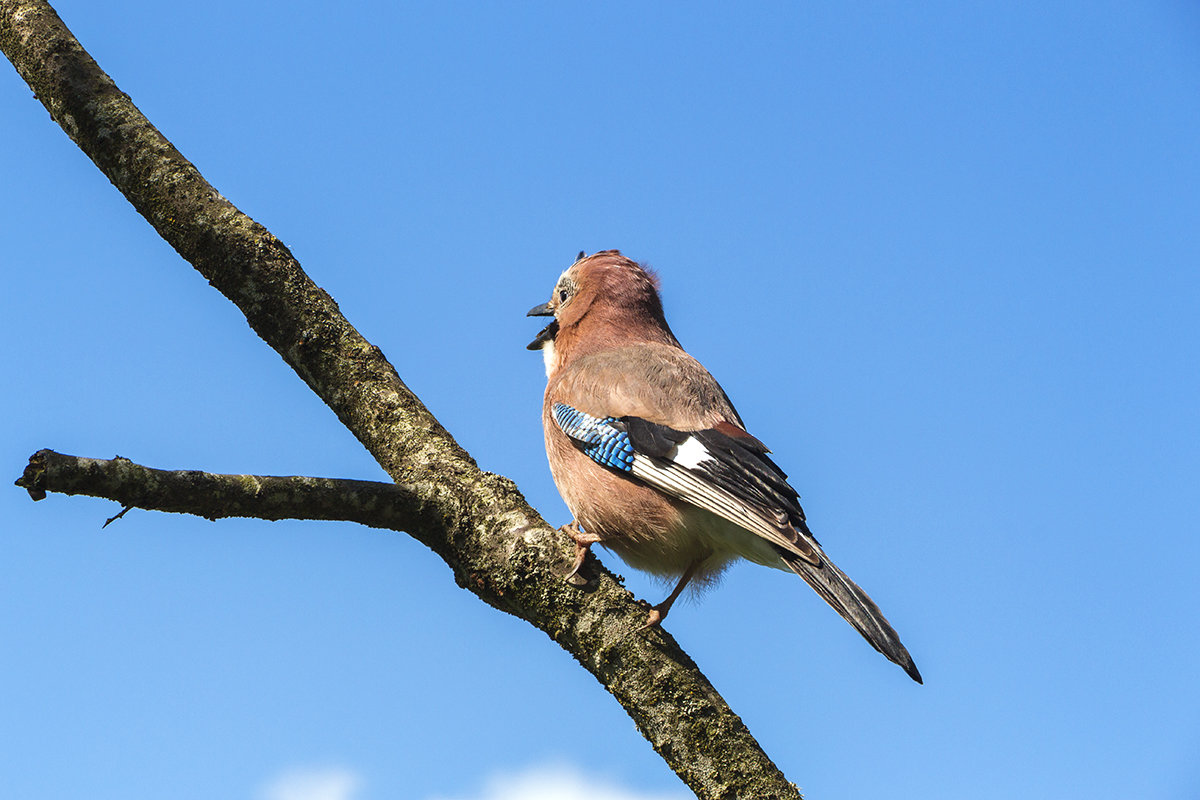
column 942, row 257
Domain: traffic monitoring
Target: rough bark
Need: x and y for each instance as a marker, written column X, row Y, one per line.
column 390, row 506
column 497, row 546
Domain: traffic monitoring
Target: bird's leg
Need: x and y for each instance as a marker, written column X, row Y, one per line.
column 659, row 612
column 583, row 543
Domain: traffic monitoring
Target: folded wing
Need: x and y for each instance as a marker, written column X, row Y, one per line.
column 730, row 476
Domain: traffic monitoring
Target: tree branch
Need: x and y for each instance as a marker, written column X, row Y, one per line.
column 212, row 496
column 497, row 546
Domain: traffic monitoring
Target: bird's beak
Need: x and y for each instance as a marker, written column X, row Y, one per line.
column 545, row 335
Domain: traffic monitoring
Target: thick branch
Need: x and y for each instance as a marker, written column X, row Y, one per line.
column 479, row 523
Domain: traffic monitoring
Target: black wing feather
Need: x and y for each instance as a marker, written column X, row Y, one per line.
column 650, row 438
column 739, row 465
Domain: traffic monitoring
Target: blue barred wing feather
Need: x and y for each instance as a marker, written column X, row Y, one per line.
column 604, row 440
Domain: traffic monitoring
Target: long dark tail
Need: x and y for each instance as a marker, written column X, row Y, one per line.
column 853, row 604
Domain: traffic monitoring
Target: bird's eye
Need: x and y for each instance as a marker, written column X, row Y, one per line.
column 563, row 294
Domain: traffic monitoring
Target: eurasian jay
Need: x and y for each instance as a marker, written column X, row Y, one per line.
column 654, row 462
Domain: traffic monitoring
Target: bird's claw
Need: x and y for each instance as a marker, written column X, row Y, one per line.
column 653, row 619
column 583, row 545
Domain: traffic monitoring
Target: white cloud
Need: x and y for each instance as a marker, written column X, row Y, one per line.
column 323, row 783
column 559, row 782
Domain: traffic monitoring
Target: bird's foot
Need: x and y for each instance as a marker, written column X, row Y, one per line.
column 583, row 545
column 659, row 612
column 656, row 616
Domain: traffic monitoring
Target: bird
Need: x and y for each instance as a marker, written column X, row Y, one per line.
column 652, row 459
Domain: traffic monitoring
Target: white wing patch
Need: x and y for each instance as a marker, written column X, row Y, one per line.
column 690, row 453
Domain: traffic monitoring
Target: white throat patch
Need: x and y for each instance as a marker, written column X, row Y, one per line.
column 548, row 356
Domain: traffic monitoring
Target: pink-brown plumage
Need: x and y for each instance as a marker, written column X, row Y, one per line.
column 676, row 508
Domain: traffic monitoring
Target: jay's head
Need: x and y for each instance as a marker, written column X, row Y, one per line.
column 600, row 301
